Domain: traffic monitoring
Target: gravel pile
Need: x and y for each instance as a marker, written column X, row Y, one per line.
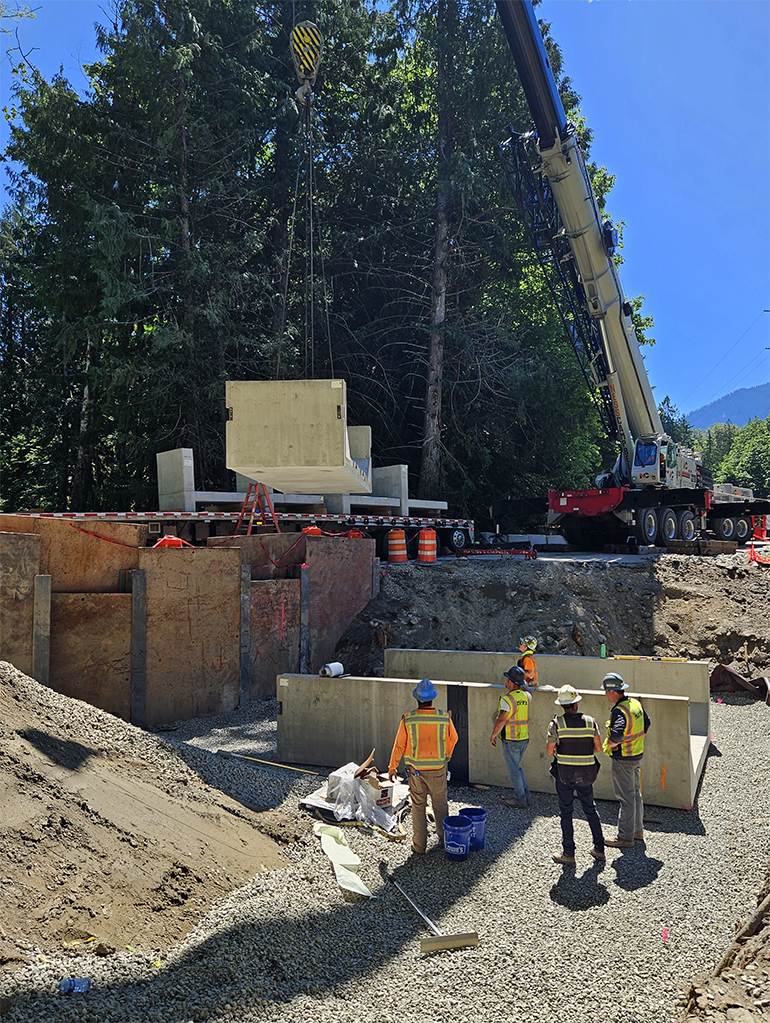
column 618, row 942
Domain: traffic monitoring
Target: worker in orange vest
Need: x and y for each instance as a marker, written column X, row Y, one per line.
column 527, row 661
column 425, row 739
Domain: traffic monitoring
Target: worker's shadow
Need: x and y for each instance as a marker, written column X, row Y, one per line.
column 582, row 892
column 635, row 869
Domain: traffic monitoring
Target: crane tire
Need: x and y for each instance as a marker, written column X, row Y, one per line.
column 647, row 526
column 743, row 528
column 668, row 527
column 685, row 525
column 725, row 528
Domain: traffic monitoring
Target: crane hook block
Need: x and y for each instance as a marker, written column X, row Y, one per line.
column 306, row 45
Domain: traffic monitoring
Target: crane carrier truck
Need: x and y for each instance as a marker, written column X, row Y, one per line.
column 658, row 490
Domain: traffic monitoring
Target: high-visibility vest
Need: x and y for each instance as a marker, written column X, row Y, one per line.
column 575, row 743
column 427, row 739
column 518, row 716
column 632, row 743
column 523, row 666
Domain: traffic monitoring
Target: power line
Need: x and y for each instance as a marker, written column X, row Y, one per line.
column 716, row 365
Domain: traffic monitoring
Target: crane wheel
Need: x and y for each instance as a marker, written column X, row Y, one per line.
column 647, row 526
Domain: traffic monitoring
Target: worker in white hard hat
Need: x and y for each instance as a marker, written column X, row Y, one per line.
column 425, row 739
column 527, row 661
column 626, row 730
column 573, row 740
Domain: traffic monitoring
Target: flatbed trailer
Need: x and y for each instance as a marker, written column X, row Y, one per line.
column 196, row 527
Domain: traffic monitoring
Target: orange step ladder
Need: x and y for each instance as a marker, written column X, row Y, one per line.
column 257, row 507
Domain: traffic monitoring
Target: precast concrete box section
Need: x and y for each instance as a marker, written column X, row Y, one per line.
column 331, row 721
column 293, row 435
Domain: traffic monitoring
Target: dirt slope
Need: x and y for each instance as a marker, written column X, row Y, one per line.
column 97, row 843
column 714, row 609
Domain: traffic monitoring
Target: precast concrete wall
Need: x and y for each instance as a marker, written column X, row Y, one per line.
column 331, row 721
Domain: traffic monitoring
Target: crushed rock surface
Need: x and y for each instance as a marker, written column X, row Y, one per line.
column 281, row 941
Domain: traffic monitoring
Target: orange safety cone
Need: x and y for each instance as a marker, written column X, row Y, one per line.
column 426, row 546
column 171, row 541
column 397, row 546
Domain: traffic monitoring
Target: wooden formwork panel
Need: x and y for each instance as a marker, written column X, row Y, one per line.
column 340, row 586
column 275, row 632
column 193, row 609
column 270, row 555
column 19, row 564
column 91, row 649
column 83, row 557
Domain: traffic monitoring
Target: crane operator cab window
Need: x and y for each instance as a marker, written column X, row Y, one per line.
column 646, row 454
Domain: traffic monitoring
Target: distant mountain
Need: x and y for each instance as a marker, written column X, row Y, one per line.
column 739, row 407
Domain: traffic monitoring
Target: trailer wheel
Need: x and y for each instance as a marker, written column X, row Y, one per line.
column 725, row 528
column 455, row 539
column 667, row 525
column 647, row 526
column 685, row 524
column 743, row 529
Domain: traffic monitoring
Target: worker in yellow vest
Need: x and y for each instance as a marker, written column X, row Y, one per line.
column 425, row 739
column 512, row 725
column 626, row 730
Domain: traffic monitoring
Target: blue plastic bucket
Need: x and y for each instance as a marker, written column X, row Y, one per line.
column 478, row 819
column 457, row 837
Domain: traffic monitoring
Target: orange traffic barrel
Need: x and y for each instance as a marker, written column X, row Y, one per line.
column 397, row 545
column 426, row 546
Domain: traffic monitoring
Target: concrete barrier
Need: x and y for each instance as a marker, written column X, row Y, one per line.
column 330, row 721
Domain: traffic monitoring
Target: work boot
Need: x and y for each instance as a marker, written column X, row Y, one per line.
column 515, row 803
column 563, row 857
column 639, row 836
column 420, row 852
column 618, row 843
column 596, row 854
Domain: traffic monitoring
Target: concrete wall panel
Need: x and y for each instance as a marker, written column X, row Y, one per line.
column 19, row 564
column 270, row 555
column 91, row 649
column 664, row 678
column 83, row 557
column 275, row 621
column 193, row 632
column 332, row 721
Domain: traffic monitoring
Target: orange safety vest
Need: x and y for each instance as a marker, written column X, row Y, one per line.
column 426, row 732
column 518, row 716
column 522, row 663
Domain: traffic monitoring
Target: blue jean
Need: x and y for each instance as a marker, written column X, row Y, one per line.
column 585, row 794
column 513, row 751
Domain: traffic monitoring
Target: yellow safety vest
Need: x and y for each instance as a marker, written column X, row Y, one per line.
column 518, row 716
column 632, row 743
column 427, row 739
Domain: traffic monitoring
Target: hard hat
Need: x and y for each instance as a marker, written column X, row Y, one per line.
column 425, row 691
column 516, row 675
column 529, row 642
column 568, row 695
column 614, row 682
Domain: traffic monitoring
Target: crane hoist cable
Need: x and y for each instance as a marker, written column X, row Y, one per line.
column 306, row 46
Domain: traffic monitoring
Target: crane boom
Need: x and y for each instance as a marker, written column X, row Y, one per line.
column 613, row 360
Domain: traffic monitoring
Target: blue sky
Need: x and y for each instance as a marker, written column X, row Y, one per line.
column 677, row 93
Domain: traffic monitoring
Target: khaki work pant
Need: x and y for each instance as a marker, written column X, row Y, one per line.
column 421, row 785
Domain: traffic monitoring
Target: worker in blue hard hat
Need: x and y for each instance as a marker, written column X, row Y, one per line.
column 626, row 729
column 512, row 725
column 425, row 739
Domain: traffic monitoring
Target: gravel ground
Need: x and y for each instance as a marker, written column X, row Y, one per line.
column 618, row 941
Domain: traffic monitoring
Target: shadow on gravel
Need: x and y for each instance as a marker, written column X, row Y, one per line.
column 577, row 893
column 635, row 869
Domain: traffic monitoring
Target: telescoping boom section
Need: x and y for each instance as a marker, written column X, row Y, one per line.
column 549, row 178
